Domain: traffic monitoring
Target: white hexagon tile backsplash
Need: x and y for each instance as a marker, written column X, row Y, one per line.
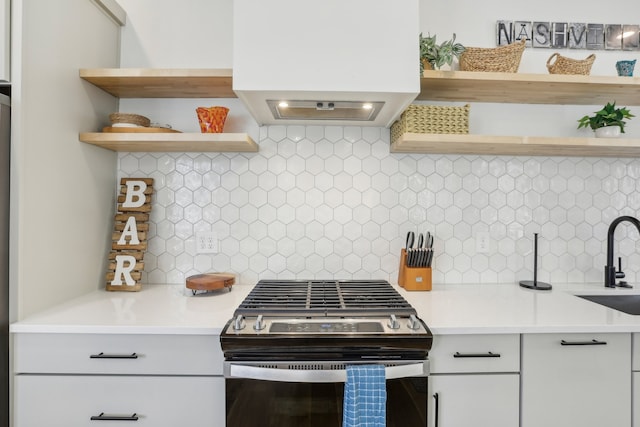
column 332, row 202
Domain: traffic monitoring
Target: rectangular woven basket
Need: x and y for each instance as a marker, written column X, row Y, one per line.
column 431, row 119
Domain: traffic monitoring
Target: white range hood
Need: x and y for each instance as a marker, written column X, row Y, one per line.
column 328, row 62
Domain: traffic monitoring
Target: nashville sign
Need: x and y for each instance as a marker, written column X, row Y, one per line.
column 569, row 35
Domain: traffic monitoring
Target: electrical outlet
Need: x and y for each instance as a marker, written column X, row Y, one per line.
column 206, row 243
column 482, row 242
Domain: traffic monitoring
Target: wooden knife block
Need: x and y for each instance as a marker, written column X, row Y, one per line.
column 413, row 278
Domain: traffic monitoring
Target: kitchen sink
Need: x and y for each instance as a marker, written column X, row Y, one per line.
column 629, row 304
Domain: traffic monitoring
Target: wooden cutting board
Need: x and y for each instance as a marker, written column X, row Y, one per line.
column 125, row 129
column 210, row 281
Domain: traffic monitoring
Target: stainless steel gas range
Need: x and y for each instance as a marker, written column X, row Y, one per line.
column 290, row 341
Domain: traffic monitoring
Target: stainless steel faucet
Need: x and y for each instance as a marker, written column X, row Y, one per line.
column 610, row 273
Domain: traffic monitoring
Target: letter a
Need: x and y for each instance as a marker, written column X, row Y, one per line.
column 130, row 230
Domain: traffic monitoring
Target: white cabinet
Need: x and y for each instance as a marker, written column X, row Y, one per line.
column 128, row 354
column 576, row 380
column 73, row 400
column 474, row 381
column 165, row 380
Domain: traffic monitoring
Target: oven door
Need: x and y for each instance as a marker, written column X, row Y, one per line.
column 290, row 394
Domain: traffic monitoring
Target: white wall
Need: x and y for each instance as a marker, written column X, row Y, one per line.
column 177, row 34
column 332, row 202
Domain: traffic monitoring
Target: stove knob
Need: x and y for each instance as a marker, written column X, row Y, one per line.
column 393, row 322
column 238, row 324
column 260, row 324
column 413, row 322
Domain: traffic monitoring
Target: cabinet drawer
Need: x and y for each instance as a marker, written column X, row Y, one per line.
column 475, row 353
column 72, row 400
column 118, row 354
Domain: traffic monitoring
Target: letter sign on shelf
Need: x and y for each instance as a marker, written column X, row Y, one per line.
column 129, row 239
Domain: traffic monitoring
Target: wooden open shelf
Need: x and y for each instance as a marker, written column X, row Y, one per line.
column 520, row 88
column 462, row 86
column 171, row 142
column 435, row 85
column 515, row 145
column 162, row 83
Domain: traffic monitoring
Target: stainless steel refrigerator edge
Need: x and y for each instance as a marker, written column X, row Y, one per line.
column 5, row 139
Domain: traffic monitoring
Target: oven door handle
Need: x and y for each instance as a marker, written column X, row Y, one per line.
column 238, row 370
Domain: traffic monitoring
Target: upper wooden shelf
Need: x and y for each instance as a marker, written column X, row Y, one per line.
column 515, row 145
column 162, row 83
column 171, row 142
column 520, row 88
column 463, row 86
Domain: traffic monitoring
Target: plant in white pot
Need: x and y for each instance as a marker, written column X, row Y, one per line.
column 608, row 122
column 434, row 56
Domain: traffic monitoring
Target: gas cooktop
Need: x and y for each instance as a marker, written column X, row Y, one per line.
column 329, row 298
column 334, row 319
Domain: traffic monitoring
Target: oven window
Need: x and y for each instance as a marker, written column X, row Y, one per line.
column 283, row 404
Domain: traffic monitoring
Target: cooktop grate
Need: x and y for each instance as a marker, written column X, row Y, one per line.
column 314, row 298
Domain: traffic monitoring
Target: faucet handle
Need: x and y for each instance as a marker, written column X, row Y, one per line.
column 620, row 274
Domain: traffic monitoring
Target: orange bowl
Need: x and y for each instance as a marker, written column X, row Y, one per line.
column 212, row 118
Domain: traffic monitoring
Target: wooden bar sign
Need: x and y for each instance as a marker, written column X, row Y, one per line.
column 129, row 239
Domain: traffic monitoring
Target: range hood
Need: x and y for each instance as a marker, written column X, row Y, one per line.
column 328, row 62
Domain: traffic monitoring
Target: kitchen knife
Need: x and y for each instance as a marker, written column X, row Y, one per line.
column 417, row 261
column 429, row 244
column 409, row 247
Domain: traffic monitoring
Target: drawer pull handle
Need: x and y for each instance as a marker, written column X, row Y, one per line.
column 436, row 397
column 592, row 342
column 114, row 356
column 103, row 417
column 487, row 354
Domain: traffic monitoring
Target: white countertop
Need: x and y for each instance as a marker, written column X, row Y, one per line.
column 509, row 308
column 156, row 309
column 447, row 309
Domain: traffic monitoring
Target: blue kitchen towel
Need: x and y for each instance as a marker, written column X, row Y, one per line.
column 365, row 397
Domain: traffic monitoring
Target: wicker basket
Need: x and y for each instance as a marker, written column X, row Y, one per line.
column 431, row 119
column 133, row 119
column 504, row 59
column 564, row 65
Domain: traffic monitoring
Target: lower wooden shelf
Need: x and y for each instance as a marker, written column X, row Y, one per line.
column 171, row 142
column 515, row 145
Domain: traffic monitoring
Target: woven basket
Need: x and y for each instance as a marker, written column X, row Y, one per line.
column 431, row 119
column 564, row 65
column 134, row 119
column 504, row 59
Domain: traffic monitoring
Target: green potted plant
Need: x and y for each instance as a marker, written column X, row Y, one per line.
column 608, row 122
column 437, row 55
